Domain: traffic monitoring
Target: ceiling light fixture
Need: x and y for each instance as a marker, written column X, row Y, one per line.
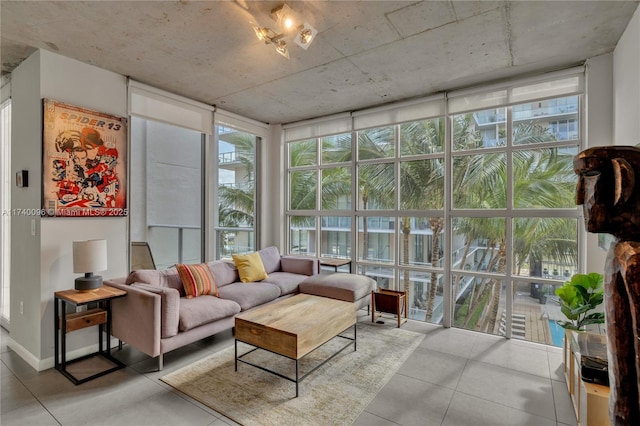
column 286, row 19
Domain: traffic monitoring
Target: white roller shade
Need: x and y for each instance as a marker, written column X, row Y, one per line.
column 559, row 83
column 238, row 122
column 315, row 128
column 155, row 104
column 433, row 106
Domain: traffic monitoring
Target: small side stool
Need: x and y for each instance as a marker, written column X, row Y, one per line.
column 389, row 302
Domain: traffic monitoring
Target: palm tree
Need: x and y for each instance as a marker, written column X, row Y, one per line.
column 375, row 181
column 542, row 178
column 422, row 188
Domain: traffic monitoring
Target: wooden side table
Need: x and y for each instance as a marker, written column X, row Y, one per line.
column 66, row 323
column 590, row 400
column 390, row 302
column 336, row 263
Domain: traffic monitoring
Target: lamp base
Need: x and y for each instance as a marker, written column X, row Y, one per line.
column 88, row 283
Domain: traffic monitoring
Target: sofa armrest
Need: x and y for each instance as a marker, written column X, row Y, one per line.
column 300, row 265
column 135, row 319
column 169, row 308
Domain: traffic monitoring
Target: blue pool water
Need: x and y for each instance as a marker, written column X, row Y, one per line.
column 557, row 333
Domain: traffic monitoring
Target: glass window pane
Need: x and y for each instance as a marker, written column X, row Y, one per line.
column 336, row 148
column 545, row 247
column 336, row 236
column 302, row 235
column 418, row 246
column 236, row 191
column 478, row 243
column 376, row 186
column 422, row 137
column 303, row 153
column 422, row 184
column 480, row 129
column 336, row 188
column 480, row 305
column 166, row 191
column 548, row 120
column 376, row 143
column 383, row 275
column 425, row 295
column 376, row 240
column 236, row 178
column 302, row 187
column 544, row 178
column 531, row 301
column 235, row 241
column 479, row 181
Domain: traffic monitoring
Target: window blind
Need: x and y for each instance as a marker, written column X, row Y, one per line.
column 559, row 83
column 433, row 106
column 229, row 119
column 155, row 104
column 315, row 128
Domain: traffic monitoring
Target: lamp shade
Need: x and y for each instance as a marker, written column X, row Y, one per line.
column 89, row 256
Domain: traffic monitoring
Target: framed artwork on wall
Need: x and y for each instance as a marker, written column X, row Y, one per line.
column 84, row 170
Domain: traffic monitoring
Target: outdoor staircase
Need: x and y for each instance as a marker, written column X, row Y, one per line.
column 517, row 325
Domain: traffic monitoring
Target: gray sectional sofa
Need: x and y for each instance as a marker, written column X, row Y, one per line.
column 155, row 317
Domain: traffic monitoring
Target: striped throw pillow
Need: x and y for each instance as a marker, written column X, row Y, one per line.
column 197, row 280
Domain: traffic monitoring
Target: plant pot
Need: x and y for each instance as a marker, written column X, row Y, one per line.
column 543, row 299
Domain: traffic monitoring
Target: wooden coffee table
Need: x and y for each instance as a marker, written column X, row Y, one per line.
column 294, row 327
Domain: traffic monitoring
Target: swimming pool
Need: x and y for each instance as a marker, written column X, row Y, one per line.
column 557, row 333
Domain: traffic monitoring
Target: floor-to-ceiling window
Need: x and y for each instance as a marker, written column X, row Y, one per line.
column 5, row 205
column 513, row 209
column 166, row 191
column 168, row 166
column 471, row 212
column 236, row 191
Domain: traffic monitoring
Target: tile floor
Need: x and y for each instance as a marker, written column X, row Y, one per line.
column 455, row 377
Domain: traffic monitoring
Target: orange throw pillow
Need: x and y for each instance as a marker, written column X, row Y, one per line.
column 197, row 280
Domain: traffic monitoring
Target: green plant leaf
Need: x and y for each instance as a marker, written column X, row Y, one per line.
column 577, row 297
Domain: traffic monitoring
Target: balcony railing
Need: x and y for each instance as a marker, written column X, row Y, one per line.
column 228, row 157
column 173, row 244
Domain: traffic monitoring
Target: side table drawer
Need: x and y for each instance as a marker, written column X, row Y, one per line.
column 80, row 320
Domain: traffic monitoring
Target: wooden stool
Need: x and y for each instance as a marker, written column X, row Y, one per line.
column 390, row 302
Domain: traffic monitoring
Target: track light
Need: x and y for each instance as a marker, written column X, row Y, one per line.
column 285, row 18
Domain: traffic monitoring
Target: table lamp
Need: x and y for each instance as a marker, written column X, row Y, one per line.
column 89, row 257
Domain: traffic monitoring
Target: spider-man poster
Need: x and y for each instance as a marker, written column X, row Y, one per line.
column 84, row 162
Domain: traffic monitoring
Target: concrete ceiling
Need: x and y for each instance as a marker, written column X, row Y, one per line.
column 366, row 53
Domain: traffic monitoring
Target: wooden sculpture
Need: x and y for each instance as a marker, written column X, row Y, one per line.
column 611, row 202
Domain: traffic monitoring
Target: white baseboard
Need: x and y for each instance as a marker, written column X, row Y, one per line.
column 46, row 363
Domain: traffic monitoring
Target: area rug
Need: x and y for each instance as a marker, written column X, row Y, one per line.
column 334, row 394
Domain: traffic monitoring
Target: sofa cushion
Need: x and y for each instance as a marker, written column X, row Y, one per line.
column 169, row 307
column 161, row 278
column 250, row 267
column 299, row 265
column 197, row 280
column 204, row 309
column 224, row 272
column 286, row 281
column 248, row 295
column 270, row 259
column 341, row 286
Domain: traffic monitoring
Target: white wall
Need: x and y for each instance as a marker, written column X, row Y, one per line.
column 599, row 131
column 272, row 196
column 626, row 74
column 41, row 264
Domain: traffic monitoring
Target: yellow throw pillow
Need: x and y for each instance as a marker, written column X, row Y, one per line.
column 250, row 267
column 197, row 280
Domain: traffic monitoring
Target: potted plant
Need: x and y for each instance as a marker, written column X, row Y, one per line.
column 579, row 298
